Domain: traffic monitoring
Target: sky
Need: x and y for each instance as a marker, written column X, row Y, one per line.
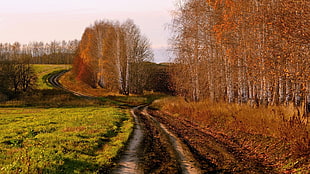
column 48, row 20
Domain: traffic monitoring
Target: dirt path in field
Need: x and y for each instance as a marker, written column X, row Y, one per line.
column 161, row 143
column 129, row 160
column 54, row 81
column 154, row 149
column 185, row 158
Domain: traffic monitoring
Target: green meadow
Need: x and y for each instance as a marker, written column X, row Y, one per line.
column 61, row 140
column 52, row 131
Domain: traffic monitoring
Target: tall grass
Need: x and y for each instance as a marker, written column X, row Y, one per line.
column 282, row 122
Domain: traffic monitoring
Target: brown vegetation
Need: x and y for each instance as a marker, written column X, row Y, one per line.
column 255, row 56
column 110, row 55
column 277, row 135
column 69, row 81
column 243, row 51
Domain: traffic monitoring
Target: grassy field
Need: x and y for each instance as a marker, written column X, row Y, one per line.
column 53, row 131
column 61, row 140
column 43, row 70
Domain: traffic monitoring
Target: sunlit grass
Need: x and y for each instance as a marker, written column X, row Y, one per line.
column 61, row 140
column 264, row 120
column 69, row 81
column 278, row 132
column 43, row 70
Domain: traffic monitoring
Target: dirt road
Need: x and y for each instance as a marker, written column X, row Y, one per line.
column 215, row 152
column 154, row 149
column 170, row 145
column 164, row 144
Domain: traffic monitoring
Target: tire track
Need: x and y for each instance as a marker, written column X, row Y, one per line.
column 184, row 157
column 129, row 161
column 54, row 81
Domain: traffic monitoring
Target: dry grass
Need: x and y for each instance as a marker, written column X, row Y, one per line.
column 69, row 81
column 253, row 127
column 265, row 121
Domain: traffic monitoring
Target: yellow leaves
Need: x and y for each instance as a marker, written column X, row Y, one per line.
column 286, row 70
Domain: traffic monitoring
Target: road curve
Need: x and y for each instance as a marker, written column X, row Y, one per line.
column 54, row 81
column 129, row 159
column 176, row 155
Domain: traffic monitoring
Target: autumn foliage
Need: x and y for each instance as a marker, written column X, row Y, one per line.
column 243, row 51
column 242, row 68
column 110, row 56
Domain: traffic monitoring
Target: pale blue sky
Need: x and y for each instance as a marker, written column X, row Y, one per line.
column 47, row 20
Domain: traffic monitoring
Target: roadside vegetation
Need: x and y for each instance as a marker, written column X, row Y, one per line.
column 241, row 69
column 278, row 135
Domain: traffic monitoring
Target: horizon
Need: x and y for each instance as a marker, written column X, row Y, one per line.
column 46, row 21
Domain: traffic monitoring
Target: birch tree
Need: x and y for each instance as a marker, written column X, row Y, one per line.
column 112, row 53
column 242, row 51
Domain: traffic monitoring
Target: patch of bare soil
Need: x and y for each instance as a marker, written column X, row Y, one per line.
column 157, row 154
column 182, row 153
column 216, row 153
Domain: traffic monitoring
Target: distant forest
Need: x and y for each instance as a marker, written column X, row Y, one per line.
column 54, row 52
column 17, row 74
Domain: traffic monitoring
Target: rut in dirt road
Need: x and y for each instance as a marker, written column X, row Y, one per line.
column 129, row 159
column 154, row 149
column 216, row 153
column 185, row 158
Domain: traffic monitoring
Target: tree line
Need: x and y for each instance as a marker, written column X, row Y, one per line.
column 17, row 75
column 112, row 55
column 54, row 52
column 245, row 51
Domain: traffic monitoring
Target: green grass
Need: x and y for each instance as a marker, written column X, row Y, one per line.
column 44, row 70
column 52, row 131
column 61, row 140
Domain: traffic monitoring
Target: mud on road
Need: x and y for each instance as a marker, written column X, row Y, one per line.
column 154, row 149
column 215, row 152
column 172, row 145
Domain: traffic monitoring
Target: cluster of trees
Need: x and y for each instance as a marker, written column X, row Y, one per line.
column 254, row 51
column 16, row 77
column 112, row 56
column 54, row 52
